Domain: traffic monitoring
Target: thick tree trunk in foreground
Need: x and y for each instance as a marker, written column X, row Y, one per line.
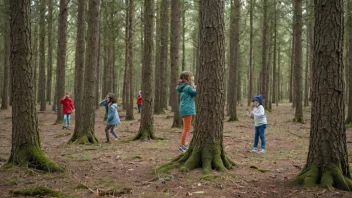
column 349, row 62
column 79, row 62
column 234, row 59
column 25, row 149
column 298, row 62
column 61, row 57
column 42, row 81
column 146, row 129
column 85, row 134
column 206, row 149
column 174, row 57
column 6, row 89
column 327, row 162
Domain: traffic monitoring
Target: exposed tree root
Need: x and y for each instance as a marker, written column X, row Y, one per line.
column 207, row 157
column 299, row 120
column 33, row 157
column 146, row 134
column 84, row 139
column 329, row 176
column 233, row 119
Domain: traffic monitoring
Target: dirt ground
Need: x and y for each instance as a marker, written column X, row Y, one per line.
column 128, row 166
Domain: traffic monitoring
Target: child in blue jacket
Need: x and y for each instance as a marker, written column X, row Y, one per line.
column 112, row 116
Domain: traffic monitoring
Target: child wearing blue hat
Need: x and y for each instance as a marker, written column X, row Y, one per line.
column 260, row 122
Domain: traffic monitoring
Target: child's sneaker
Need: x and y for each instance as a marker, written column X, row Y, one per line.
column 186, row 146
column 68, row 128
column 262, row 151
column 117, row 138
column 182, row 148
column 107, row 142
column 254, row 150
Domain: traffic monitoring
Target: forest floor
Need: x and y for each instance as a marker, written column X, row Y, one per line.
column 128, row 166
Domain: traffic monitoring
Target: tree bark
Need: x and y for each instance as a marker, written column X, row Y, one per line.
column 234, row 59
column 206, row 149
column 349, row 61
column 125, row 91
column 35, row 59
column 298, row 62
column 130, row 95
column 146, row 129
column 327, row 161
column 49, row 80
column 79, row 62
column 174, row 57
column 264, row 86
column 6, row 88
column 85, row 133
column 162, row 61
column 251, row 66
column 61, row 57
column 274, row 82
column 25, row 150
column 42, row 81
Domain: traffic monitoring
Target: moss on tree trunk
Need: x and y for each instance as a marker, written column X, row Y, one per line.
column 207, row 157
column 33, row 157
column 327, row 176
column 84, row 139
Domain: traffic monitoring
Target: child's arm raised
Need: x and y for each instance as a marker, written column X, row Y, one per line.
column 260, row 112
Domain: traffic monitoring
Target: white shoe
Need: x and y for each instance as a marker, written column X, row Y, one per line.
column 262, row 151
column 254, row 150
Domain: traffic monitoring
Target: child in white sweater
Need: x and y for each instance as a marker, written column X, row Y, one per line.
column 260, row 123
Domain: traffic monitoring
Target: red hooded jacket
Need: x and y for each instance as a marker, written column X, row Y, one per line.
column 67, row 105
column 139, row 99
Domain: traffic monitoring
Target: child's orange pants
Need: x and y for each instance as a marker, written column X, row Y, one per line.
column 187, row 122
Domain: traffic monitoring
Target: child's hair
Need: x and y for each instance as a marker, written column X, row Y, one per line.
column 112, row 97
column 184, row 77
column 68, row 93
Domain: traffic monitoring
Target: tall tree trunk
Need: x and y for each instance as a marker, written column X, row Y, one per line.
column 97, row 84
column 42, row 81
column 184, row 9
column 292, row 66
column 49, row 80
column 157, row 81
column 298, row 62
column 279, row 93
column 85, row 134
column 6, row 88
column 306, row 76
column 349, row 55
column 164, row 53
column 234, row 59
column 327, row 162
column 25, row 150
column 125, row 91
column 174, row 57
column 251, row 65
column 264, row 85
column 206, row 149
column 146, row 129
column 35, row 60
column 61, row 57
column 79, row 62
column 130, row 95
column 274, row 82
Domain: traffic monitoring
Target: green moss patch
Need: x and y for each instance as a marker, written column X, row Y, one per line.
column 41, row 190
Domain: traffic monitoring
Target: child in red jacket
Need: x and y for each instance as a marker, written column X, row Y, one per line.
column 67, row 109
column 139, row 101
